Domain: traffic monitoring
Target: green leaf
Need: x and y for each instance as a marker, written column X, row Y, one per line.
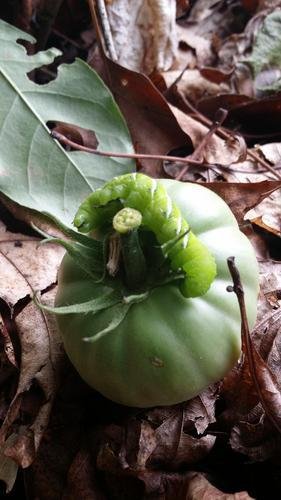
column 119, row 313
column 90, row 307
column 267, row 46
column 90, row 259
column 35, row 170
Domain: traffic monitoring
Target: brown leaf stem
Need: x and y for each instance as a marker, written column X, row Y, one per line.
column 264, row 380
column 64, row 140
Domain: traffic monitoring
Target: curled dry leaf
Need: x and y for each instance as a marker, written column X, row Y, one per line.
column 33, row 340
column 149, row 49
column 29, row 410
column 77, row 134
column 252, row 390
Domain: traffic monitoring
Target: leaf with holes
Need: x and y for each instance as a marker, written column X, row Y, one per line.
column 49, row 178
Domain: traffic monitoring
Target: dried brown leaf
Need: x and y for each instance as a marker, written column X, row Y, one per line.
column 216, row 75
column 77, row 134
column 25, row 266
column 193, row 85
column 55, row 472
column 30, row 339
column 217, row 150
column 241, row 197
column 152, row 125
column 254, row 437
column 41, row 354
column 199, row 488
column 8, row 468
column 81, row 480
column 175, row 448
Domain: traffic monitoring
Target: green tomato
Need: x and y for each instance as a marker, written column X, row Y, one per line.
column 168, row 348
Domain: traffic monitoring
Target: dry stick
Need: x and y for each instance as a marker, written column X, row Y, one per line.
column 100, row 40
column 226, row 135
column 220, row 116
column 64, row 140
column 176, row 81
column 237, row 288
column 74, row 145
column 91, row 4
column 255, row 157
column 106, row 30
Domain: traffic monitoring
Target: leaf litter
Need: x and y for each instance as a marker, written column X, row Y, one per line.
column 127, row 453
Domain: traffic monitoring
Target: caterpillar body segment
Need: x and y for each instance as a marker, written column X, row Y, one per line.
column 162, row 217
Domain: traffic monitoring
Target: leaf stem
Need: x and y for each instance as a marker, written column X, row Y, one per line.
column 64, row 140
column 247, row 344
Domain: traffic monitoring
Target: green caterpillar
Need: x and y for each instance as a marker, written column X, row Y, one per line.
column 158, row 214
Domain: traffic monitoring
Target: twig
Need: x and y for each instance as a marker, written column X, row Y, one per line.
column 176, row 81
column 220, row 116
column 237, row 288
column 226, row 135
column 107, row 35
column 264, row 163
column 74, row 145
column 64, row 140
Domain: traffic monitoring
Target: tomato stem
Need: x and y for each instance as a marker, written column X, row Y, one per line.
column 133, row 260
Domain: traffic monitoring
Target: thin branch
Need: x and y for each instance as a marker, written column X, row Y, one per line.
column 264, row 163
column 176, row 81
column 106, row 30
column 226, row 135
column 64, row 140
column 220, row 116
column 74, row 145
column 237, row 288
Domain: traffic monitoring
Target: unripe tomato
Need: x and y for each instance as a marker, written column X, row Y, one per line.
column 168, row 348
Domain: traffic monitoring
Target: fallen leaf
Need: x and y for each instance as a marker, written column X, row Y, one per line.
column 30, row 338
column 25, row 266
column 8, row 468
column 200, row 488
column 152, row 125
column 41, row 358
column 241, row 197
column 216, row 75
column 254, row 118
column 149, row 49
column 209, row 105
column 81, row 480
column 253, row 436
column 217, row 150
column 193, row 85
